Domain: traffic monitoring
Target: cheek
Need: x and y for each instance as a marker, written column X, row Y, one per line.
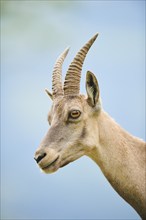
column 83, row 133
column 89, row 135
column 73, row 134
column 79, row 132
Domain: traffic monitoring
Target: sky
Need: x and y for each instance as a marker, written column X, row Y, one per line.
column 33, row 34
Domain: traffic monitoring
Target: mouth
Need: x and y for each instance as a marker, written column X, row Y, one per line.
column 50, row 164
column 55, row 165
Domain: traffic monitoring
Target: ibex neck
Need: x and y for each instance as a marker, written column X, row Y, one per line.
column 121, row 158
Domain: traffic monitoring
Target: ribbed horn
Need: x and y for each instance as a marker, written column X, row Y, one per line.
column 57, row 75
column 72, row 79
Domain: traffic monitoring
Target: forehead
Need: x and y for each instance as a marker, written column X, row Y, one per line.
column 69, row 102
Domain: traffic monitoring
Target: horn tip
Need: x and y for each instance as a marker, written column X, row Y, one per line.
column 95, row 36
column 47, row 91
column 67, row 50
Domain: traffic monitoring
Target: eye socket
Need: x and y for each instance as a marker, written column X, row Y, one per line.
column 74, row 114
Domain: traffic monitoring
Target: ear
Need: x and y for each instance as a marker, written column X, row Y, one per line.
column 49, row 94
column 92, row 89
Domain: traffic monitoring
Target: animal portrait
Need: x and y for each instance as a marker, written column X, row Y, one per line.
column 73, row 110
column 79, row 126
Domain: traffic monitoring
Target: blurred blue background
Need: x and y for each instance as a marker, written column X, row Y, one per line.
column 33, row 34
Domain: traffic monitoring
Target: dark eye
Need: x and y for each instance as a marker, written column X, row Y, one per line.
column 74, row 114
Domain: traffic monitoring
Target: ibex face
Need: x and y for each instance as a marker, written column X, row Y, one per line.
column 69, row 137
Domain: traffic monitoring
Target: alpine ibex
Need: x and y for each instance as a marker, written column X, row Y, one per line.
column 79, row 126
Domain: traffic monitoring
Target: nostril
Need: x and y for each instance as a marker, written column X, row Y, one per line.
column 40, row 157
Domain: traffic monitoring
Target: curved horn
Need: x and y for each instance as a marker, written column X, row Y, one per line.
column 57, row 75
column 72, row 79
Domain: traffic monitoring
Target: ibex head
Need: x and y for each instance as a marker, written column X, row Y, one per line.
column 72, row 115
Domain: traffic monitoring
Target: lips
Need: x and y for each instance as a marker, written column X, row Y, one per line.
column 54, row 165
column 50, row 164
